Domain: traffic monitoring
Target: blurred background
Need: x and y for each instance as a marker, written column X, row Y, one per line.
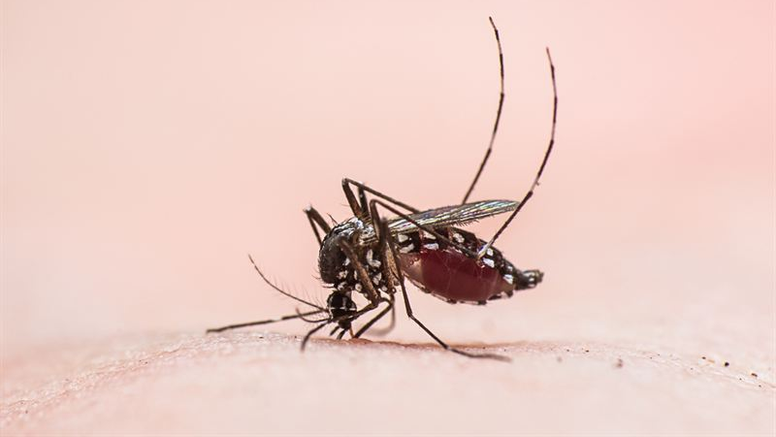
column 147, row 147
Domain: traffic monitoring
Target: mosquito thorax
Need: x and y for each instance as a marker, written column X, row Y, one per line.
column 332, row 260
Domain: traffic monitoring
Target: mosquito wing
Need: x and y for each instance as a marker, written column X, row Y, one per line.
column 456, row 215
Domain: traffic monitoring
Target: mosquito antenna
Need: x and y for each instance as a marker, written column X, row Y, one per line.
column 298, row 315
column 530, row 192
column 498, row 114
column 279, row 290
column 303, row 316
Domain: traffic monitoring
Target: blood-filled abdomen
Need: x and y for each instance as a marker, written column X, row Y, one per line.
column 444, row 271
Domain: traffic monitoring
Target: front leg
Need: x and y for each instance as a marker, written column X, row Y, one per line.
column 376, row 318
column 363, row 276
column 361, row 211
column 316, row 221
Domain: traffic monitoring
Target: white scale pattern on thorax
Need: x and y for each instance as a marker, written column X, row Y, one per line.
column 349, row 274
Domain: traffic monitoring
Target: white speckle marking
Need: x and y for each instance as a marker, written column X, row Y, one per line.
column 343, row 274
column 376, row 278
column 431, row 246
column 401, row 238
column 428, row 235
column 347, row 261
column 358, row 288
column 489, row 252
column 509, row 278
column 488, row 262
column 458, row 237
column 407, row 249
column 370, row 259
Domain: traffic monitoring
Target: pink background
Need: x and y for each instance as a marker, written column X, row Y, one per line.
column 148, row 146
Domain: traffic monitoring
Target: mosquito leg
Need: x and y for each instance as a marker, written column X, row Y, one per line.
column 383, row 331
column 310, row 334
column 408, row 307
column 365, row 281
column 375, row 319
column 362, row 200
column 363, row 275
column 315, row 218
column 352, row 202
column 387, row 273
column 346, row 183
column 263, row 322
column 535, row 183
column 498, row 115
column 382, row 245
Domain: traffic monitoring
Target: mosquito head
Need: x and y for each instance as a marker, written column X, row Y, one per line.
column 332, row 260
column 341, row 308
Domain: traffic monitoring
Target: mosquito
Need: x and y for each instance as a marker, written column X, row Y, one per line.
column 371, row 255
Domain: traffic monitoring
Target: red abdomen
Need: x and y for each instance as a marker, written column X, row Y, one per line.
column 446, row 272
column 451, row 275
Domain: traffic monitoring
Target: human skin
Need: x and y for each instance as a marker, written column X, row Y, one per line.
column 260, row 383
